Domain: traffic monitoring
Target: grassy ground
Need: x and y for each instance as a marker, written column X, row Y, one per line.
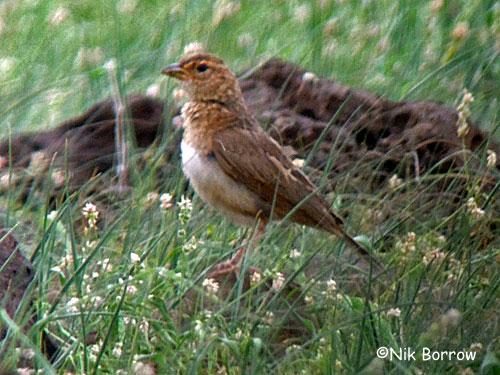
column 131, row 281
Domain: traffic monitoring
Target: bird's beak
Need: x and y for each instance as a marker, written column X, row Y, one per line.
column 175, row 71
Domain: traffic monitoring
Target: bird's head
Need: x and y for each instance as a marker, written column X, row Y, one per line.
column 205, row 77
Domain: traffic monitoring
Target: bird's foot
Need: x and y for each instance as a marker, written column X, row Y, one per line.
column 229, row 266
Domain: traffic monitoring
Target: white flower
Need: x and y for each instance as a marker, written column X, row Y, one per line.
column 294, row 254
column 144, row 368
column 59, row 15
column 166, row 201
column 153, row 90
column 52, row 215
column 491, row 160
column 152, row 197
column 299, row 163
column 179, row 96
column 474, row 210
column 7, row 64
column 224, row 9
column 89, row 56
column 433, row 256
column 134, row 258
column 58, row 177
column 72, row 305
column 331, row 285
column 309, row 77
column 117, row 350
column 464, row 113
column 211, row 286
column 126, row 6
column 193, row 47
column 245, row 40
column 302, row 12
column 255, row 278
column 185, row 204
column 268, row 317
column 278, row 281
column 395, row 182
column 394, row 312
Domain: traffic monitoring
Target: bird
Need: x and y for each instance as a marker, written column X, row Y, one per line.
column 235, row 166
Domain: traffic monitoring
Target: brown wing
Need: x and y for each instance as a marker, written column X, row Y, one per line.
column 251, row 157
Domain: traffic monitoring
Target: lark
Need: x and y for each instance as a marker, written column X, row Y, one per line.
column 235, row 166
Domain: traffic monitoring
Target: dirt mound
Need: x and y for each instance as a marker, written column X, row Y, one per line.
column 338, row 129
column 323, row 119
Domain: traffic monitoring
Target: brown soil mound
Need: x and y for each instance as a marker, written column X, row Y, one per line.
column 323, row 120
column 338, row 129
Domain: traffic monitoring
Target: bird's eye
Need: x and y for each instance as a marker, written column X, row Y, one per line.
column 202, row 68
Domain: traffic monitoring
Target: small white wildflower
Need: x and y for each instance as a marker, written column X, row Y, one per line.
column 245, row 40
column 331, row 285
column 96, row 301
column 193, row 47
column 72, row 305
column 198, row 328
column 278, row 281
column 255, row 278
column 153, row 90
column 135, row 258
column 90, row 212
column 302, row 13
column 436, row 5
column 152, row 197
column 268, row 317
column 394, row 312
column 461, row 31
column 451, row 318
column 144, row 325
column 110, row 65
column 89, row 57
column 25, row 371
column 179, row 96
column 331, row 27
column 308, row 299
column 292, row 348
column 491, row 160
column 39, row 161
column 58, row 177
column 211, row 286
column 309, row 77
column 294, row 254
column 117, row 350
column 476, row 347
column 409, row 245
column 28, row 354
column 126, row 6
column 299, row 163
column 59, row 15
column 395, row 182
column 129, row 321
column 224, row 9
column 7, row 64
column 144, row 368
column 433, row 256
column 185, row 204
column 52, row 215
column 162, row 271
column 473, row 209
column 166, row 201
column 464, row 113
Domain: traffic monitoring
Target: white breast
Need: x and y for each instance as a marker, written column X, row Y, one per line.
column 218, row 189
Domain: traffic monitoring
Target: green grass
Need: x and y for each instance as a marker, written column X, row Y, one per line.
column 404, row 50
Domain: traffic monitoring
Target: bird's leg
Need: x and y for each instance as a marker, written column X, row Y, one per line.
column 234, row 264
